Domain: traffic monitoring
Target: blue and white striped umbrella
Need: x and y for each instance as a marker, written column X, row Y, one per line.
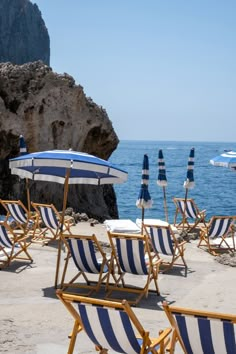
column 58, row 165
column 162, row 180
column 66, row 167
column 23, row 148
column 189, row 182
column 227, row 159
column 144, row 200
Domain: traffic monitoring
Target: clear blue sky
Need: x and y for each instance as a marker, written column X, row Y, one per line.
column 163, row 69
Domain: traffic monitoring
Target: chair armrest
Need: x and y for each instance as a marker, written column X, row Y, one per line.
column 163, row 334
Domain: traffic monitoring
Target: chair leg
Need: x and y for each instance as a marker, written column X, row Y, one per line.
column 73, row 337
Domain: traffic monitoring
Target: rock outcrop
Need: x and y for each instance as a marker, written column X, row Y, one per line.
column 52, row 112
column 23, row 34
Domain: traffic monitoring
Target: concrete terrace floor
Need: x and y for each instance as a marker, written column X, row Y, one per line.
column 34, row 321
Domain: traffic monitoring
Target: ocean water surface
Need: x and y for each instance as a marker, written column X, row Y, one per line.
column 215, row 187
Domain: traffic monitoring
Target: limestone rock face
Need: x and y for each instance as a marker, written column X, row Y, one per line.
column 52, row 112
column 23, row 34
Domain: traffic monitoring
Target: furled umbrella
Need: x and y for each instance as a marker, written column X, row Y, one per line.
column 66, row 167
column 162, row 180
column 144, row 200
column 226, row 159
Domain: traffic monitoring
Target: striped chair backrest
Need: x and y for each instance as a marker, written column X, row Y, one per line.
column 49, row 217
column 131, row 255
column 219, row 226
column 84, row 255
column 109, row 328
column 17, row 212
column 161, row 239
column 206, row 335
column 187, row 208
column 4, row 239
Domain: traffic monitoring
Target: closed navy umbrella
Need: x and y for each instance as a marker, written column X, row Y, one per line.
column 162, row 180
column 189, row 182
column 144, row 200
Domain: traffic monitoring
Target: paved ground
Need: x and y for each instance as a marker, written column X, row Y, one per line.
column 33, row 320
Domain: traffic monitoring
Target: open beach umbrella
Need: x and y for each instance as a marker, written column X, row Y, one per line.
column 162, row 180
column 144, row 200
column 66, row 167
column 227, row 159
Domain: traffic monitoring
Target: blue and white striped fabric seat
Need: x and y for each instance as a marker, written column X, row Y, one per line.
column 10, row 248
column 218, row 229
column 131, row 255
column 164, row 242
column 108, row 321
column 84, row 256
column 111, row 326
column 89, row 258
column 17, row 213
column 202, row 332
column 49, row 217
column 204, row 335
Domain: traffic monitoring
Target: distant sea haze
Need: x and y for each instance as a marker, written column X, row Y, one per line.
column 215, row 187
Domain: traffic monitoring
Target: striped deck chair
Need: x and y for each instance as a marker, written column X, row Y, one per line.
column 12, row 246
column 187, row 209
column 202, row 331
column 89, row 258
column 165, row 243
column 50, row 220
column 219, row 228
column 111, row 326
column 131, row 255
column 21, row 217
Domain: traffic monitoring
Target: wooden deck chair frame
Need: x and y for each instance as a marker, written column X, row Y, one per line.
column 106, row 318
column 167, row 245
column 89, row 258
column 12, row 246
column 24, row 220
column 53, row 226
column 192, row 211
column 145, row 264
column 201, row 331
column 208, row 233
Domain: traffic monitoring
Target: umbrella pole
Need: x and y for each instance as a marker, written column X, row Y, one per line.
column 142, row 220
column 185, row 206
column 28, row 194
column 66, row 186
column 165, row 204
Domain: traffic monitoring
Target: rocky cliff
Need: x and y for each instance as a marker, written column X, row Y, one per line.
column 23, row 34
column 52, row 112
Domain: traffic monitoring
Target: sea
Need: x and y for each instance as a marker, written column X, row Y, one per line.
column 214, row 190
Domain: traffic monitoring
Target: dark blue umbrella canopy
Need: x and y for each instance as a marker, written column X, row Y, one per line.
column 162, row 180
column 189, row 182
column 23, row 148
column 144, row 199
column 56, row 165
